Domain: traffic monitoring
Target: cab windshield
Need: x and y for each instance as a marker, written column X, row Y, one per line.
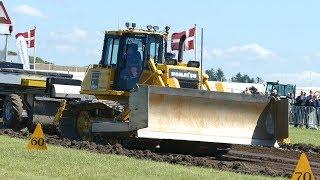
column 128, row 55
column 131, row 63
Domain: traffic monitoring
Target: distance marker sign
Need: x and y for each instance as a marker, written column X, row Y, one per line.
column 37, row 140
column 303, row 170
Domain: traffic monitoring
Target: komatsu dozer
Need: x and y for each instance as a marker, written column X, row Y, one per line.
column 141, row 91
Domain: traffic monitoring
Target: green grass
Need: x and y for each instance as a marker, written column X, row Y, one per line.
column 63, row 163
column 303, row 135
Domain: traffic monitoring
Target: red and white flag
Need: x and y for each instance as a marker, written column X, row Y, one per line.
column 29, row 37
column 4, row 17
column 189, row 43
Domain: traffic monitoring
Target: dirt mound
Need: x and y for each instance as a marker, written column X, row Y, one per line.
column 302, row 147
column 244, row 159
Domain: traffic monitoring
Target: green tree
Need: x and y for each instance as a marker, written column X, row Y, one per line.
column 11, row 53
column 259, row 80
column 39, row 60
column 220, row 75
column 243, row 78
column 211, row 74
column 215, row 75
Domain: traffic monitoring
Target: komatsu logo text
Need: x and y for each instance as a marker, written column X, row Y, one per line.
column 183, row 74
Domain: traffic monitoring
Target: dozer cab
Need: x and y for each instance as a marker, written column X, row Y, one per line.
column 141, row 92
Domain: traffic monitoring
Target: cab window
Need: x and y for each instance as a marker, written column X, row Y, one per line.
column 133, row 51
column 269, row 88
column 130, row 65
column 282, row 91
column 110, row 52
column 155, row 49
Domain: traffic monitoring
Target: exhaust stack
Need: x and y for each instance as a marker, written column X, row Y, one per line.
column 181, row 48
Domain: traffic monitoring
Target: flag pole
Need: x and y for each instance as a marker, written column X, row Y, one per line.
column 34, row 50
column 6, row 49
column 195, row 42
column 201, row 56
column 6, row 45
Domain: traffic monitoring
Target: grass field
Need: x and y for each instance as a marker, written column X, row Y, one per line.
column 18, row 163
column 303, row 135
column 63, row 163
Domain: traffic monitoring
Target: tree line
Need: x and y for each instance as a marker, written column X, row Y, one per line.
column 218, row 75
column 38, row 59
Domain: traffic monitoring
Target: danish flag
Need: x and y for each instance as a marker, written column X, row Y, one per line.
column 189, row 41
column 29, row 37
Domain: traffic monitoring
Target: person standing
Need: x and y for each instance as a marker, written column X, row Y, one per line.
column 301, row 99
column 309, row 98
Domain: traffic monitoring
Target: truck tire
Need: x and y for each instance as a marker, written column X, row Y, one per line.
column 12, row 112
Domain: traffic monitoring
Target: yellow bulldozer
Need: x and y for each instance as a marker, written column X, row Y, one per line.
column 139, row 90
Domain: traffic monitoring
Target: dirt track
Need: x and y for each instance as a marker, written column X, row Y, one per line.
column 244, row 159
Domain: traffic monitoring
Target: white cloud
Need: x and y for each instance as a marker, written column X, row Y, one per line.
column 100, row 33
column 65, row 48
column 307, row 59
column 25, row 9
column 247, row 51
column 311, row 58
column 317, row 54
column 235, row 64
column 79, row 33
column 76, row 34
column 96, row 52
column 304, row 78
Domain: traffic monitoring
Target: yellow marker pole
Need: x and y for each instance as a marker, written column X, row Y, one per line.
column 37, row 140
column 303, row 169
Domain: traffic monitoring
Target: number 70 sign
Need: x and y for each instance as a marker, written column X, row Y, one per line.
column 303, row 169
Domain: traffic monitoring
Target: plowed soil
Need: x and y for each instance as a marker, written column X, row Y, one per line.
column 244, row 159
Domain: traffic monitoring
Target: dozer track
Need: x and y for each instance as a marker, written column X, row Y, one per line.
column 77, row 118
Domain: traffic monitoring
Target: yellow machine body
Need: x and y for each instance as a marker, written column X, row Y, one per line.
column 174, row 101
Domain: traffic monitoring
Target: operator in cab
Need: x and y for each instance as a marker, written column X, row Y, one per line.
column 131, row 73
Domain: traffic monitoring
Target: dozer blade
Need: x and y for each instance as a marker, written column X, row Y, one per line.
column 197, row 115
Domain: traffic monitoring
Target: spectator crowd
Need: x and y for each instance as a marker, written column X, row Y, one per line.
column 312, row 99
column 306, row 109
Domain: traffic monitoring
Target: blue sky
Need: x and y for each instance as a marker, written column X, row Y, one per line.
column 276, row 40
